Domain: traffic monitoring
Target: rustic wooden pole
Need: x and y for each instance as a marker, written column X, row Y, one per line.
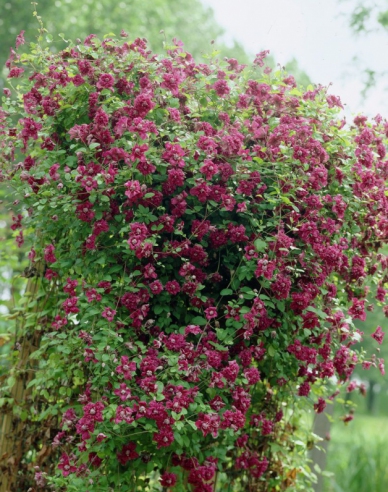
column 11, row 437
column 322, row 426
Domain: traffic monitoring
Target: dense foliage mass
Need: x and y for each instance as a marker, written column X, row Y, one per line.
column 206, row 232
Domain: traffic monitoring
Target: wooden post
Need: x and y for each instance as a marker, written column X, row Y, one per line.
column 321, row 428
column 11, row 437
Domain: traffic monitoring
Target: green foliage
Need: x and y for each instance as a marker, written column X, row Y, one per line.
column 185, row 19
column 207, row 233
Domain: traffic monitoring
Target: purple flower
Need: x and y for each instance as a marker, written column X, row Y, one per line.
column 126, row 368
column 211, row 312
column 105, row 81
column 65, row 464
column 108, row 313
column 378, row 335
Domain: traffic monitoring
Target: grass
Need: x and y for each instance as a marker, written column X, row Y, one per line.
column 358, row 456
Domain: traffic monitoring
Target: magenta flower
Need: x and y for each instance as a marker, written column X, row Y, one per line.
column 357, row 309
column 15, row 72
column 133, row 189
column 252, row 375
column 123, row 392
column 156, row 287
column 93, row 411
column 221, row 87
column 50, row 274
column 175, row 342
column 105, row 285
column 93, row 295
column 281, row 287
column 233, row 420
column 208, row 423
column 108, row 313
column 89, row 184
column 90, row 242
column 209, row 169
column 70, row 287
column 164, row 438
column 382, row 366
column 19, row 239
column 49, row 255
column 66, row 466
column 59, row 322
column 30, row 128
column 70, row 305
column 304, row 389
column 126, row 368
column 192, row 329
column 20, row 39
column 211, row 312
column 124, row 414
column 94, row 460
column 53, row 172
column 127, row 453
column 378, row 335
column 168, row 479
column 85, row 212
column 105, row 81
column 146, row 168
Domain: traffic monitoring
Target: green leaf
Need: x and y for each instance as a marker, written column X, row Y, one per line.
column 158, row 309
column 11, row 381
column 260, row 245
column 286, row 200
column 271, row 351
column 281, row 306
column 160, row 386
column 317, row 311
column 199, row 320
column 226, row 292
column 192, row 424
column 178, row 437
column 218, row 346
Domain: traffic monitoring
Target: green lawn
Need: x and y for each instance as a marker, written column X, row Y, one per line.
column 358, row 456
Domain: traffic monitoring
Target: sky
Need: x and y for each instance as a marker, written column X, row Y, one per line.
column 316, row 33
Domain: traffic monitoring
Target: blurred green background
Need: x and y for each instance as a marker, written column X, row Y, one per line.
column 357, row 458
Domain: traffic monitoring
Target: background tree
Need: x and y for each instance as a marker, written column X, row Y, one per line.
column 365, row 19
column 188, row 20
